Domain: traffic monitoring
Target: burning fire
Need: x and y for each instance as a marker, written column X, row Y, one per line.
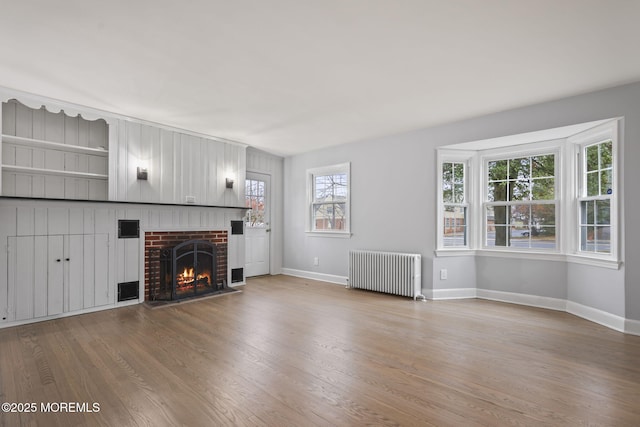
column 186, row 277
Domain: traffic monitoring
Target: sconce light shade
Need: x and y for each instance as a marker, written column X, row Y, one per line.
column 229, row 183
column 143, row 174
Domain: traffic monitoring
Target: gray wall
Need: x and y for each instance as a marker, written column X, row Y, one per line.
column 393, row 205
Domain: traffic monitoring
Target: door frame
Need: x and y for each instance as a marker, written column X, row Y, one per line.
column 267, row 178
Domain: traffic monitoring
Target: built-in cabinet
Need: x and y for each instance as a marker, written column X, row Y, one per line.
column 53, row 155
column 51, row 275
column 69, row 173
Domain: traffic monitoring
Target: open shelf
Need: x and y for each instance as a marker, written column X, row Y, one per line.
column 24, row 169
column 39, row 143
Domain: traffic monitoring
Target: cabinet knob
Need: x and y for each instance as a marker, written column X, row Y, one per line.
column 58, row 260
column 67, row 259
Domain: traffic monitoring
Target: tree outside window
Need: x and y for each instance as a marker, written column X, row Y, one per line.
column 454, row 205
column 329, row 199
column 595, row 203
column 520, row 204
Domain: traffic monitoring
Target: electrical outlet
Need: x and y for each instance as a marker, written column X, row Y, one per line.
column 190, row 199
column 316, row 261
column 443, row 274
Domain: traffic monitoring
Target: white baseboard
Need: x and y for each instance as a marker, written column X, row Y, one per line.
column 598, row 316
column 632, row 327
column 71, row 313
column 595, row 315
column 331, row 278
column 444, row 294
column 523, row 299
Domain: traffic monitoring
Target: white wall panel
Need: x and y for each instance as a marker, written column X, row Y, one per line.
column 76, row 220
column 40, row 279
column 180, row 165
column 58, row 221
column 25, row 221
column 40, row 221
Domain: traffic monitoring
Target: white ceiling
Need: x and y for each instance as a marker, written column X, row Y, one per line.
column 289, row 76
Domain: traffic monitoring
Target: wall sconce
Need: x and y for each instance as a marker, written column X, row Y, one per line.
column 143, row 174
column 229, row 182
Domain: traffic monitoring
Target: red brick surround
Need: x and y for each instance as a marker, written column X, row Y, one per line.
column 169, row 239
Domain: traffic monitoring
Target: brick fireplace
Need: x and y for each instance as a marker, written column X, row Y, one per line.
column 210, row 248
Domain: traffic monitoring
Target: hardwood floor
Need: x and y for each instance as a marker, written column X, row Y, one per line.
column 293, row 352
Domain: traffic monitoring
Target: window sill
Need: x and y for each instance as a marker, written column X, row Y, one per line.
column 594, row 261
column 540, row 256
column 332, row 234
column 455, row 252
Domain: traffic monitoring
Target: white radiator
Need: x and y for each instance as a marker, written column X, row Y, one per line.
column 388, row 272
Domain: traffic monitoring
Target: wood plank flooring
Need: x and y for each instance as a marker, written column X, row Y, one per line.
column 294, row 352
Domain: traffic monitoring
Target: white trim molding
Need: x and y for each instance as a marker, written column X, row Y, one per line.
column 446, row 294
column 597, row 316
column 523, row 299
column 632, row 327
column 331, row 278
column 611, row 321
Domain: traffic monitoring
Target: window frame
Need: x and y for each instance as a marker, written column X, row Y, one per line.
column 509, row 153
column 342, row 168
column 466, row 158
column 567, row 143
column 598, row 135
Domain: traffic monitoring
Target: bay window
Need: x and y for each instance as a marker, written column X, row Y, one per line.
column 545, row 194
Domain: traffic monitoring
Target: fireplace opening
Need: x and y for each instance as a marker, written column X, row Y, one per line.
column 187, row 269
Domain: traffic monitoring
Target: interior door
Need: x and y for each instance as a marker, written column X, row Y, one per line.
column 257, row 197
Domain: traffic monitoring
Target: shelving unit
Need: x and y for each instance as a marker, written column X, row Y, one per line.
column 53, row 155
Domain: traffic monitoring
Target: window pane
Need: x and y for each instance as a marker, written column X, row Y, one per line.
column 497, row 218
column 606, row 155
column 447, row 172
column 519, row 169
column 543, row 189
column 497, row 191
column 453, row 182
column 593, row 188
column 595, row 239
column 455, row 229
column 458, row 173
column 447, row 182
column 595, row 232
column 588, row 212
column 496, row 235
column 602, row 239
column 497, row 214
column 543, row 215
column 592, row 158
column 606, row 182
column 543, row 166
column 519, row 190
column 497, row 170
column 603, row 211
column 458, row 193
column 329, row 216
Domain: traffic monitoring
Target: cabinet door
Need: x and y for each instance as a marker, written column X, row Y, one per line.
column 27, row 277
column 87, row 271
column 55, row 275
column 20, row 275
column 49, row 275
column 74, row 272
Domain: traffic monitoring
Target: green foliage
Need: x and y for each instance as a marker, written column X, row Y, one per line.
column 453, row 182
